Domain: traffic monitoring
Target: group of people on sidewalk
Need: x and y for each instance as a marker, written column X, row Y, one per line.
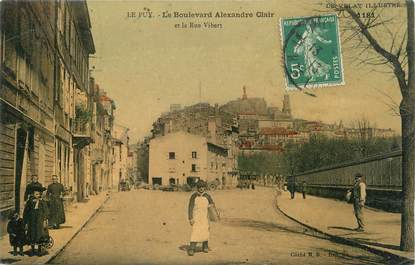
column 38, row 215
column 293, row 187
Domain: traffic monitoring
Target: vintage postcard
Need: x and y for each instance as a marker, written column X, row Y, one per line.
column 207, row 132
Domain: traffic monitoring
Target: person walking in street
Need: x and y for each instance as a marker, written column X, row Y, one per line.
column 32, row 186
column 304, row 188
column 17, row 235
column 359, row 198
column 35, row 217
column 55, row 196
column 291, row 188
column 198, row 217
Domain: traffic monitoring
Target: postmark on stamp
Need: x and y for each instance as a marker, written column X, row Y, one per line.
column 312, row 52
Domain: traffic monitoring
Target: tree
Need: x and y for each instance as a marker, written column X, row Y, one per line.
column 261, row 163
column 322, row 151
column 290, row 159
column 364, row 32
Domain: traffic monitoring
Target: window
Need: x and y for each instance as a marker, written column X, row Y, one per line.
column 172, row 155
column 193, row 167
column 10, row 55
column 194, row 154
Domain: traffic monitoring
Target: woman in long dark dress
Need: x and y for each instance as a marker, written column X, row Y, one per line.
column 56, row 211
column 35, row 217
column 31, row 186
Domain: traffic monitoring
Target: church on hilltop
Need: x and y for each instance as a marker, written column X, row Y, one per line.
column 255, row 116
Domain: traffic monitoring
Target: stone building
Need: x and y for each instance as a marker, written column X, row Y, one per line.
column 200, row 119
column 218, row 127
column 261, row 128
column 46, row 104
column 73, row 107
column 183, row 158
column 132, row 164
column 120, row 142
column 101, row 148
column 27, row 97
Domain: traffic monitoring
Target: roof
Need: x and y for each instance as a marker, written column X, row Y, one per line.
column 273, row 147
column 105, row 98
column 217, row 146
column 179, row 133
column 276, row 131
column 84, row 23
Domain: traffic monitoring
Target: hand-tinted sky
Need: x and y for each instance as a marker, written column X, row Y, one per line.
column 146, row 64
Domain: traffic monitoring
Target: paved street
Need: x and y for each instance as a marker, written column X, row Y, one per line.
column 150, row 227
column 382, row 229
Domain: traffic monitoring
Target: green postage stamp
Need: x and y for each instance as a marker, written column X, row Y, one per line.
column 312, row 54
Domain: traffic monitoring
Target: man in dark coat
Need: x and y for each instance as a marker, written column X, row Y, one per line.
column 304, row 188
column 35, row 217
column 55, row 196
column 31, row 186
column 17, row 235
column 291, row 188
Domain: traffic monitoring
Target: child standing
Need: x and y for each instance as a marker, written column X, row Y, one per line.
column 17, row 235
column 35, row 217
column 198, row 217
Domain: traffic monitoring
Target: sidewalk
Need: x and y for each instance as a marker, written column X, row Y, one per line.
column 336, row 218
column 77, row 215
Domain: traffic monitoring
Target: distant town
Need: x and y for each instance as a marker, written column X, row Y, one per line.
column 245, row 126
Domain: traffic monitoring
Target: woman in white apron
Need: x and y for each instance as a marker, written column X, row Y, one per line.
column 198, row 217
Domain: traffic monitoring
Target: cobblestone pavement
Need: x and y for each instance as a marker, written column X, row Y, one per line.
column 151, row 227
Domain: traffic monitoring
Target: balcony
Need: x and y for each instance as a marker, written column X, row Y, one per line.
column 81, row 132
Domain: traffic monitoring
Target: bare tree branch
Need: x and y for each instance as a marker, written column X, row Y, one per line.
column 399, row 72
column 392, row 104
column 398, row 53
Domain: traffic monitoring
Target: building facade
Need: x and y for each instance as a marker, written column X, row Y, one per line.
column 73, row 102
column 26, row 98
column 46, row 104
column 120, row 142
column 143, row 159
column 183, row 158
column 101, row 149
column 133, row 173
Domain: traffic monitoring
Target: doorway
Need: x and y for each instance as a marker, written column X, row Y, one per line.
column 156, row 181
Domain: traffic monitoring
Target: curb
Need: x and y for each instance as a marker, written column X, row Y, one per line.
column 353, row 243
column 52, row 257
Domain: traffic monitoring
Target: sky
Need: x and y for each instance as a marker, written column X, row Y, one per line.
column 146, row 64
